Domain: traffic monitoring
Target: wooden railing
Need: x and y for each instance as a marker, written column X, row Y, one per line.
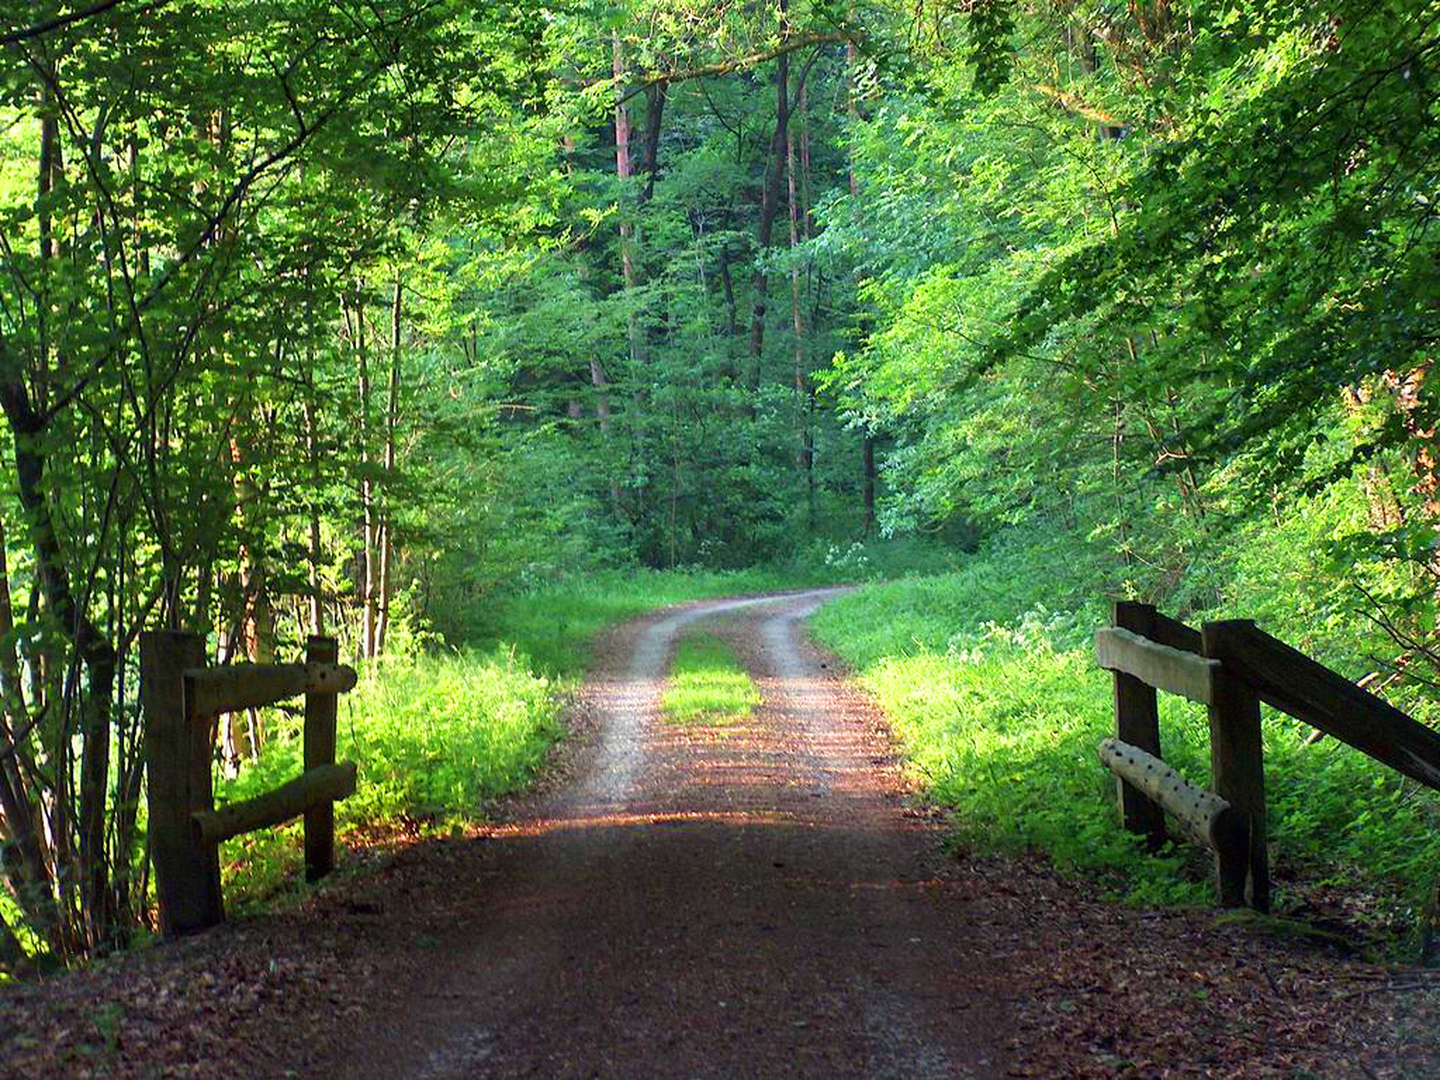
column 1230, row 667
column 182, row 697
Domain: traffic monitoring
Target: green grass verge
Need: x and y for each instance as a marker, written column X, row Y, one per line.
column 553, row 625
column 436, row 738
column 439, row 736
column 999, row 710
column 707, row 684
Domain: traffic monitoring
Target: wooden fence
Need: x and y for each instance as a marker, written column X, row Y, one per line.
column 1231, row 667
column 182, row 697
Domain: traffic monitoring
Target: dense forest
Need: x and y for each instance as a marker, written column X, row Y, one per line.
column 359, row 317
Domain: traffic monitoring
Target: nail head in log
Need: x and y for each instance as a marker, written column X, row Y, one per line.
column 1207, row 818
column 248, row 686
column 322, row 784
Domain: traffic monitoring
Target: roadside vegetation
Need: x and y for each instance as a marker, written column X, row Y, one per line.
column 988, row 674
column 707, row 684
column 441, row 732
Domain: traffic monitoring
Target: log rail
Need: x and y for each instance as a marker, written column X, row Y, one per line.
column 181, row 697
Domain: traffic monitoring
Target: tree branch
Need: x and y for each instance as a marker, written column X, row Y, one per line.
column 14, row 37
column 740, row 63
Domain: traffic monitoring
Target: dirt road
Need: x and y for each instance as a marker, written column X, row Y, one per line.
column 750, row 900
column 755, row 900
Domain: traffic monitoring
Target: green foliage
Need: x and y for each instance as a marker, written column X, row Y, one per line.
column 707, row 684
column 553, row 623
column 436, row 739
column 1137, row 297
column 999, row 706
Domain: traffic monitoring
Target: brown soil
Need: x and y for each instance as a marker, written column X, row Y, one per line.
column 757, row 899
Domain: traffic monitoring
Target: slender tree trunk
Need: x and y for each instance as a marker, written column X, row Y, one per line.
column 369, row 525
column 655, row 97
column 26, row 869
column 867, row 453
column 92, row 648
column 312, row 451
column 624, row 170
column 1117, row 443
column 801, row 393
column 392, row 411
column 769, row 203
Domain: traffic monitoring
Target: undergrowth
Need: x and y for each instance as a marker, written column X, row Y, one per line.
column 435, row 737
column 989, row 677
column 707, row 684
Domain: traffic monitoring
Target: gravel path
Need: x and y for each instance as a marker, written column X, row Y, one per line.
column 749, row 900
column 753, row 900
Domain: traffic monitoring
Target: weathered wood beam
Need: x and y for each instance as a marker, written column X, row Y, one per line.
column 247, row 686
column 322, row 784
column 1161, row 666
column 1206, row 817
column 1293, row 683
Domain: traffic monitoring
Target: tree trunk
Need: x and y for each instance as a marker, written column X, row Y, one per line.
column 312, row 451
column 624, row 170
column 369, row 527
column 392, row 411
column 800, row 396
column 25, row 866
column 867, row 452
column 655, row 96
column 769, row 203
column 91, row 646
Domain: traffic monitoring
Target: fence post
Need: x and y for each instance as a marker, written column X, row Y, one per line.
column 1237, row 766
column 1137, row 722
column 320, row 716
column 177, row 755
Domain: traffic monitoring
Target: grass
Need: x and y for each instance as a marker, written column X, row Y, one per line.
column 707, row 684
column 552, row 625
column 999, row 709
column 440, row 736
column 436, row 738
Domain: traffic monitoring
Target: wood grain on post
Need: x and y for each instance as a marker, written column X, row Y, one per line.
column 1237, row 757
column 1137, row 722
column 1309, row 691
column 177, row 757
column 322, row 784
column 321, row 709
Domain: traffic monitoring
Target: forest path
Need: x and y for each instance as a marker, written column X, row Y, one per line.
column 747, row 900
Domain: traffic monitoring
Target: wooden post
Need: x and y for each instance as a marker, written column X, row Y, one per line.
column 320, row 715
column 177, row 755
column 1237, row 764
column 1137, row 722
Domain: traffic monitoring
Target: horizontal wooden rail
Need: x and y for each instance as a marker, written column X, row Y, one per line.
column 249, row 686
column 1170, row 669
column 317, row 785
column 1206, row 817
column 1293, row 683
